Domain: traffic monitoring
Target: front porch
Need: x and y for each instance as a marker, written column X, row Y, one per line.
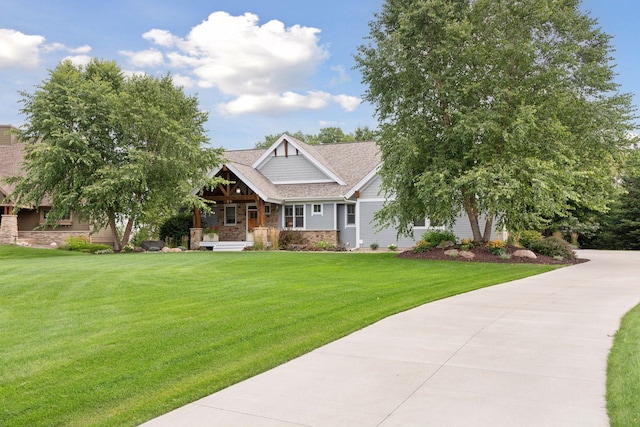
column 238, row 215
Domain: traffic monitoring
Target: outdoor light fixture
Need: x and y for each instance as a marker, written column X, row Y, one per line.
column 238, row 191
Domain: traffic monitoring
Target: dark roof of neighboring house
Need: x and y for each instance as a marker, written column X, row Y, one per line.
column 10, row 160
column 351, row 162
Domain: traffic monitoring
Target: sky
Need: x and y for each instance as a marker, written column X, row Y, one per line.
column 258, row 67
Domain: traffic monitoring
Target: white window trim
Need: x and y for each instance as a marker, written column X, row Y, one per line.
column 346, row 216
column 313, row 209
column 235, row 215
column 284, row 216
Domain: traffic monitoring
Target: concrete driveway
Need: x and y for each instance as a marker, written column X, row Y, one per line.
column 526, row 353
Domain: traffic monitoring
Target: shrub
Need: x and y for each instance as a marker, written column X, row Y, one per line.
column 83, row 244
column 323, row 246
column 175, row 228
column 423, row 246
column 392, row 247
column 290, row 237
column 529, row 237
column 497, row 247
column 439, row 237
column 553, row 247
column 374, row 246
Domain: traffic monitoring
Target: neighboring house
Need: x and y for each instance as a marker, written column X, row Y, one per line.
column 328, row 192
column 26, row 225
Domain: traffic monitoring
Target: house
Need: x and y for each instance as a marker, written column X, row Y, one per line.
column 327, row 192
column 26, row 226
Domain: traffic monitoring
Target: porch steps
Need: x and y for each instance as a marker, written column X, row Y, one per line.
column 225, row 246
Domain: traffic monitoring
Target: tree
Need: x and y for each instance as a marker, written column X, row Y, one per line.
column 113, row 150
column 504, row 110
column 327, row 135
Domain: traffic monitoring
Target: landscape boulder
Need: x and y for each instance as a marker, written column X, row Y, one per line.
column 152, row 243
column 467, row 255
column 524, row 253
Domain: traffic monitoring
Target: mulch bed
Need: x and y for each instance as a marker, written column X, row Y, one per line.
column 483, row 255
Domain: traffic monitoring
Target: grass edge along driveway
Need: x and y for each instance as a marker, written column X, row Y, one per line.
column 623, row 373
column 120, row 339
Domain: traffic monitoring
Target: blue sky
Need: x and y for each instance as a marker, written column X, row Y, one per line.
column 259, row 67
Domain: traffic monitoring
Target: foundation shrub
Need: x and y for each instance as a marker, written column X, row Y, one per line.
column 529, row 237
column 289, row 238
column 553, row 247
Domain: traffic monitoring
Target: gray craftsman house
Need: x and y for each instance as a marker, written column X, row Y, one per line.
column 328, row 192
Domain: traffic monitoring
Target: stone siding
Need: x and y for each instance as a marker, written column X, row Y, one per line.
column 8, row 229
column 315, row 236
column 48, row 237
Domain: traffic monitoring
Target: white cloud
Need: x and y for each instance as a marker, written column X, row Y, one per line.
column 261, row 69
column 78, row 60
column 18, row 49
column 82, row 49
column 347, row 102
column 342, row 76
column 275, row 103
column 145, row 58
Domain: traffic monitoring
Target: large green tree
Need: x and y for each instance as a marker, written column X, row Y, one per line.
column 504, row 110
column 114, row 150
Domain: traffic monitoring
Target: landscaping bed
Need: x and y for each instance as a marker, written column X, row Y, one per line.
column 482, row 254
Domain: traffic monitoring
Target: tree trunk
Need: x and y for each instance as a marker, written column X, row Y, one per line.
column 488, row 228
column 117, row 244
column 472, row 213
column 127, row 232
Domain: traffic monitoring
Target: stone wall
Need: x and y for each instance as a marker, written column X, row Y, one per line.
column 315, row 236
column 8, row 229
column 48, row 237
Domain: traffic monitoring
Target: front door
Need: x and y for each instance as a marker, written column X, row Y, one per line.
column 252, row 217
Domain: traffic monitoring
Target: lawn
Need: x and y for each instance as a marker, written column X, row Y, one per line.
column 119, row 339
column 623, row 373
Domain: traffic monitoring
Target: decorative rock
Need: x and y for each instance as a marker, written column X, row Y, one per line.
column 446, row 245
column 148, row 244
column 452, row 252
column 525, row 253
column 25, row 244
column 175, row 250
column 53, row 245
column 467, row 255
column 166, row 249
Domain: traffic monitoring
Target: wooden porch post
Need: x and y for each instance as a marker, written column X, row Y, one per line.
column 197, row 218
column 261, row 216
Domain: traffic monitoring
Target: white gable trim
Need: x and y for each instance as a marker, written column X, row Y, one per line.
column 363, row 182
column 293, row 142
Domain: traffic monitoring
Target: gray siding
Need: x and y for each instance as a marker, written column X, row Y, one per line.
column 291, row 169
column 371, row 189
column 369, row 233
column 347, row 234
column 320, row 222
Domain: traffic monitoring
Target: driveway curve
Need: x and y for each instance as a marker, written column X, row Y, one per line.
column 531, row 352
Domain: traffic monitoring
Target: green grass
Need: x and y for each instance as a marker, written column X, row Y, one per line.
column 119, row 339
column 623, row 373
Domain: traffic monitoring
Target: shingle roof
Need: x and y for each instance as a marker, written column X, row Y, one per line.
column 10, row 159
column 350, row 161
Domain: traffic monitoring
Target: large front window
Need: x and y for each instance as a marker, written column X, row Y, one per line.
column 294, row 216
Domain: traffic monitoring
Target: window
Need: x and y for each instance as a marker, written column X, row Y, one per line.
column 351, row 214
column 294, row 216
column 267, row 209
column 422, row 222
column 65, row 220
column 317, row 209
column 230, row 215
